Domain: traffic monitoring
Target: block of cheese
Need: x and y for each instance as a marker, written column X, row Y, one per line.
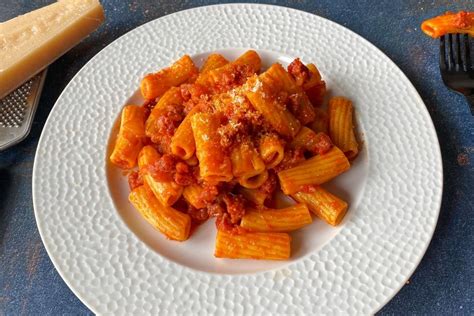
column 30, row 42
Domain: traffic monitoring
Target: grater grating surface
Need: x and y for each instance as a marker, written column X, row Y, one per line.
column 17, row 111
column 12, row 107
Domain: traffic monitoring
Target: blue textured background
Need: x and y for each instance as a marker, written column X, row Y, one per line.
column 443, row 284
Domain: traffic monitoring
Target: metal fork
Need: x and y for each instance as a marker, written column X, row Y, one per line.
column 455, row 65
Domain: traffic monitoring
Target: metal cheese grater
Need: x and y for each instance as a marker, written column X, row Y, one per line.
column 17, row 111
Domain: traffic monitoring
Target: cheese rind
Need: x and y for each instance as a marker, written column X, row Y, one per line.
column 30, row 42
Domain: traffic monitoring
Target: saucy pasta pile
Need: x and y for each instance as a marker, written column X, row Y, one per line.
column 220, row 141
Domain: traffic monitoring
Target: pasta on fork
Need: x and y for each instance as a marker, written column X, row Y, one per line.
column 221, row 141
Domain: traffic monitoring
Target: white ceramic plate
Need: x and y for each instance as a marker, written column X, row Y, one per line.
column 116, row 263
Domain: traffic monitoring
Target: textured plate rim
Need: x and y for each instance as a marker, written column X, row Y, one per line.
column 334, row 24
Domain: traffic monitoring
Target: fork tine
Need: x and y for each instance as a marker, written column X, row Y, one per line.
column 467, row 50
column 458, row 52
column 450, row 51
column 464, row 53
column 442, row 54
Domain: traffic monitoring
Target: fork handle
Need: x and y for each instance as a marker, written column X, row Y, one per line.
column 470, row 100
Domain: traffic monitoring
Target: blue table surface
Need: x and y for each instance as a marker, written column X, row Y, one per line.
column 443, row 283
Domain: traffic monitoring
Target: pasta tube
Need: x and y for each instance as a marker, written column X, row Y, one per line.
column 341, row 128
column 213, row 78
column 315, row 88
column 280, row 80
column 267, row 246
column 172, row 223
column 262, row 96
column 307, row 139
column 213, row 61
column 247, row 166
column 461, row 22
column 172, row 98
column 167, row 192
column 251, row 59
column 314, row 78
column 271, row 150
column 192, row 194
column 316, row 170
column 276, row 220
column 214, row 164
column 183, row 144
column 130, row 137
column 325, row 205
column 155, row 85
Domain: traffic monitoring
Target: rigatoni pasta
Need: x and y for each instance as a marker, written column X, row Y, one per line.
column 315, row 87
column 325, row 205
column 192, row 194
column 247, row 64
column 449, row 22
column 214, row 164
column 270, row 246
column 247, row 166
column 272, row 108
column 316, row 170
column 183, row 144
column 272, row 150
column 130, row 138
column 172, row 223
column 168, row 192
column 276, row 220
column 213, row 61
column 341, row 128
column 308, row 140
column 221, row 141
column 155, row 85
column 168, row 102
column 298, row 102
